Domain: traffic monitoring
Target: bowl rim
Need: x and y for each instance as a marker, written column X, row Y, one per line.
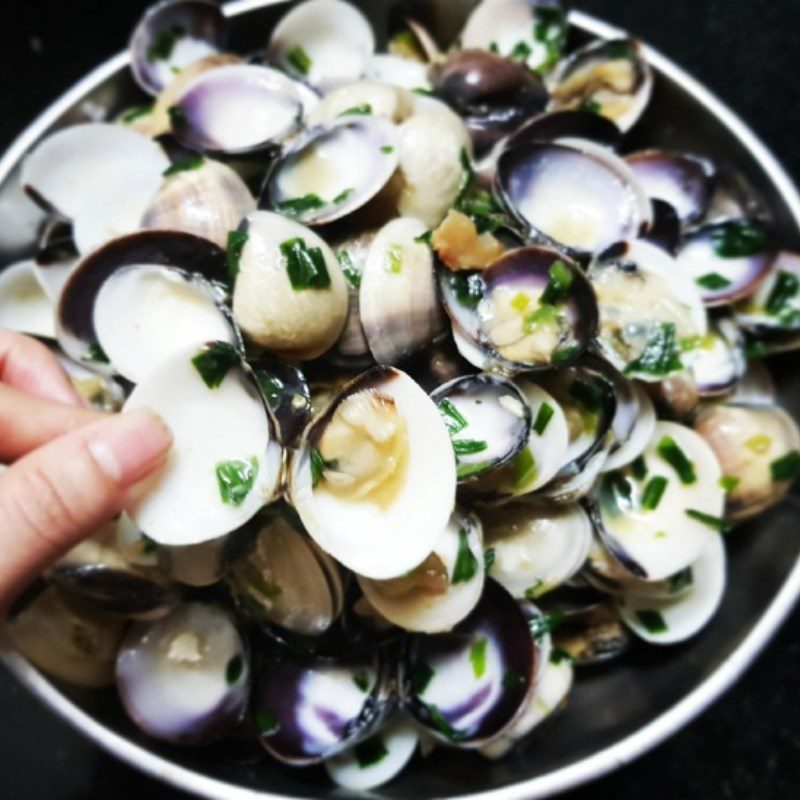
column 573, row 775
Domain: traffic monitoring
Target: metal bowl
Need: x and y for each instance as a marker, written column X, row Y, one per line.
column 615, row 714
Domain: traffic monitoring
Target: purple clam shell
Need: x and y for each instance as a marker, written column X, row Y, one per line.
column 507, row 675
column 528, row 267
column 665, row 231
column 520, row 168
column 683, row 181
column 711, row 250
column 137, row 675
column 567, row 123
column 200, row 19
column 301, row 716
column 183, row 251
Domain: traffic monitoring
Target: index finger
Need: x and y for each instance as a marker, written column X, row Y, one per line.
column 29, row 365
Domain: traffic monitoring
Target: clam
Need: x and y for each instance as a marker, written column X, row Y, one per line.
column 142, row 297
column 333, row 170
column 467, row 687
column 352, row 251
column 683, row 181
column 433, row 149
column 290, row 296
column 286, row 580
column 378, row 759
column 493, row 95
column 698, row 591
column 309, row 708
column 99, row 176
column 374, row 479
column 563, row 127
column 727, row 260
column 399, row 307
column 544, row 454
column 71, row 643
column 325, row 43
column 537, row 547
column 650, row 313
column 657, row 515
column 235, row 109
column 489, row 421
column 185, row 678
column 225, row 461
column 611, row 78
column 535, row 309
column 55, row 258
column 362, row 97
column 443, row 589
column 757, row 447
column 586, row 397
column 719, row 362
column 605, row 205
column 288, row 397
column 171, row 36
column 96, row 573
column 591, row 636
column 24, row 306
column 531, row 32
column 202, row 197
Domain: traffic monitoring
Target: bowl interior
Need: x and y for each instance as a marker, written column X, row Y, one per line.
column 607, row 704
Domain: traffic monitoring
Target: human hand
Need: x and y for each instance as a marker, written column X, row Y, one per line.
column 71, row 467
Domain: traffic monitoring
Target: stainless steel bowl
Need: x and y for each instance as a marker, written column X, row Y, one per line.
column 615, row 714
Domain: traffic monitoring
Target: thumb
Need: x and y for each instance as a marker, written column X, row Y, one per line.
column 62, row 492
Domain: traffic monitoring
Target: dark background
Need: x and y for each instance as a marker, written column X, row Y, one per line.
column 748, row 52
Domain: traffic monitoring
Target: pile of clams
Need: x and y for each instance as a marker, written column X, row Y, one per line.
column 463, row 393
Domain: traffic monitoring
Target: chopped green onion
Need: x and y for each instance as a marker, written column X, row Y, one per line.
column 545, row 623
column 305, row 265
column 488, row 559
column 361, row 679
column 660, row 354
column 318, row 466
column 587, row 394
column 236, row 479
column 298, row 206
column 163, row 45
column 272, row 386
column 370, row 752
column 520, row 52
column 466, row 564
column 536, row 590
column 728, row 483
column 559, row 656
column 652, row 621
column 523, row 468
column 188, row 164
column 267, row 722
column 299, row 60
column 786, row 468
column 477, row 657
column 236, row 242
column 342, row 196
column 737, row 239
column 453, row 418
column 234, row 670
column 653, row 492
column 713, row 281
column 559, row 284
column 680, row 580
column 421, row 678
column 349, row 270
column 544, row 315
column 669, row 450
column 132, row 114
column 592, row 106
column 214, row 361
column 468, row 447
column 443, row 726
column 387, row 148
column 365, row 109
column 394, row 259
column 97, row 354
column 639, row 468
column 785, row 289
column 710, row 521
column 543, row 417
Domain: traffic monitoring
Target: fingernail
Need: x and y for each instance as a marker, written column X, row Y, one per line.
column 130, row 446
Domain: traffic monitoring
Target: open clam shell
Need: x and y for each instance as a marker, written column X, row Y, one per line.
column 443, row 589
column 333, row 170
column 537, row 547
column 309, row 708
column 684, row 181
column 325, row 43
column 612, row 78
column 285, row 580
column 468, row 686
column 99, row 176
column 567, row 126
column 649, row 311
column 657, row 515
column 727, row 260
column 24, row 306
column 172, row 35
column 225, row 460
column 374, row 479
column 698, row 594
column 757, row 447
column 489, row 421
column 399, row 307
column 236, row 109
column 162, row 254
column 537, row 182
column 186, row 677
